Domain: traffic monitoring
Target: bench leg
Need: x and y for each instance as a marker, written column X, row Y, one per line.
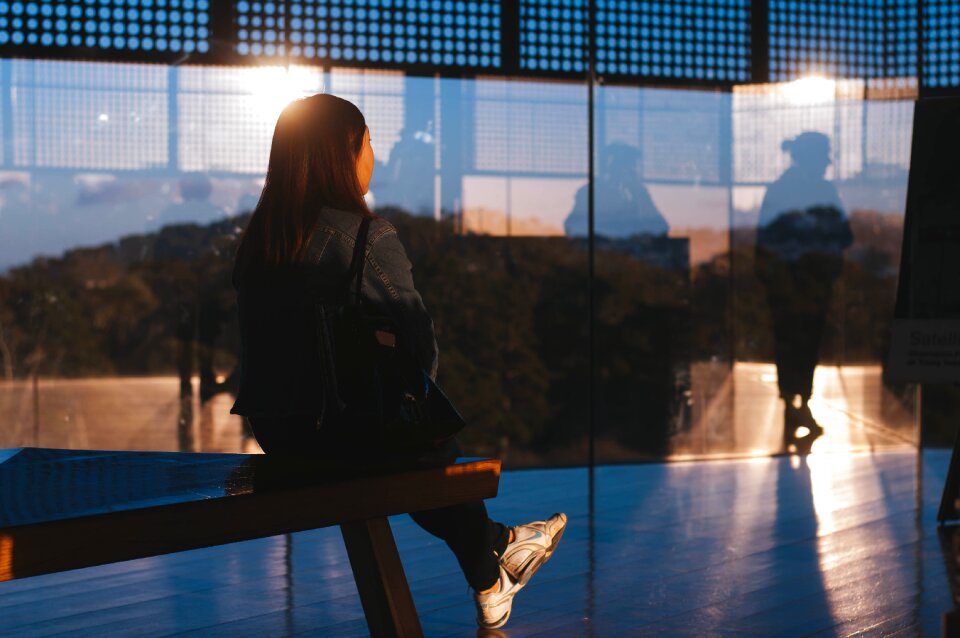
column 383, row 588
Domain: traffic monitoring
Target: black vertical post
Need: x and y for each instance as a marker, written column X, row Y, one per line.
column 285, row 26
column 760, row 41
column 591, row 247
column 591, row 315
column 510, row 37
column 921, row 49
column 223, row 33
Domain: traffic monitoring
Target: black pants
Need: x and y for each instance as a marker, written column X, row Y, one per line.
column 474, row 538
column 798, row 306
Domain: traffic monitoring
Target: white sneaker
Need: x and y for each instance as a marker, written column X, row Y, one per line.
column 532, row 546
column 493, row 610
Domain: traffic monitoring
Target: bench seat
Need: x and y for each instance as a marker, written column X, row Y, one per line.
column 66, row 509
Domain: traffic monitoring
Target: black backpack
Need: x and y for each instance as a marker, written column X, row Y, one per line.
column 370, row 375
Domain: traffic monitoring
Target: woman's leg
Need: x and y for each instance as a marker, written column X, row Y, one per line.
column 285, row 435
column 477, row 541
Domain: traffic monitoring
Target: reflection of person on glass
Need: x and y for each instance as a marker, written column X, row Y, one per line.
column 624, row 207
column 801, row 235
column 202, row 310
column 296, row 249
column 408, row 177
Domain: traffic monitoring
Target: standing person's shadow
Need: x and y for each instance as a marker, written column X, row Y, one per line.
column 641, row 348
column 623, row 207
column 406, row 181
column 801, row 235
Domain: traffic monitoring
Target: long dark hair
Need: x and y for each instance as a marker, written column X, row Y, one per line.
column 313, row 163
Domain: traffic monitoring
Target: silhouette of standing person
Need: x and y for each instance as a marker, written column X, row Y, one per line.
column 624, row 207
column 802, row 233
column 408, row 176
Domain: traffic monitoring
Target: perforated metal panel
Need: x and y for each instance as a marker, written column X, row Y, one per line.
column 889, row 133
column 529, row 127
column 941, row 42
column 553, row 35
column 677, row 41
column 706, row 40
column 693, row 40
column 123, row 25
column 675, row 132
column 407, row 32
column 836, row 38
column 900, row 38
column 118, row 115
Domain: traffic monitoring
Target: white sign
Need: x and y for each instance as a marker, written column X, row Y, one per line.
column 924, row 351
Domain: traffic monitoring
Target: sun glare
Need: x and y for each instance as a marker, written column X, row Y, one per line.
column 273, row 87
column 813, row 89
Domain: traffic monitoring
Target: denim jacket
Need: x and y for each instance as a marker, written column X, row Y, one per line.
column 279, row 366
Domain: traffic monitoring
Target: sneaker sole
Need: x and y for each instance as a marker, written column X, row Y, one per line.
column 497, row 624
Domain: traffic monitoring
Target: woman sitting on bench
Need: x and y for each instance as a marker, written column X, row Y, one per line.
column 297, row 249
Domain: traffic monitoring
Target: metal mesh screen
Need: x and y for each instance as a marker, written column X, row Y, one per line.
column 830, row 37
column 118, row 115
column 411, row 32
column 693, row 39
column 122, row 25
column 553, row 35
column 900, row 38
column 516, row 123
column 941, row 42
column 704, row 40
column 676, row 41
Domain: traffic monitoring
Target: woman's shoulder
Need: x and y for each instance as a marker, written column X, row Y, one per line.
column 346, row 225
column 379, row 228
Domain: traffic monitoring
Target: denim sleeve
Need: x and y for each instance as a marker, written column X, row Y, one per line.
column 388, row 282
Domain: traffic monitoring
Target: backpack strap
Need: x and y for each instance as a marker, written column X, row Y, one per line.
column 357, row 262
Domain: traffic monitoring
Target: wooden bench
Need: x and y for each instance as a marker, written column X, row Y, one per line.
column 66, row 509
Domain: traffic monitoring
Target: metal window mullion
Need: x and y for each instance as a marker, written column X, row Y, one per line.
column 591, row 248
column 760, row 41
column 510, row 36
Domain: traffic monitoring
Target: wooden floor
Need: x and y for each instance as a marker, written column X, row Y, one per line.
column 832, row 545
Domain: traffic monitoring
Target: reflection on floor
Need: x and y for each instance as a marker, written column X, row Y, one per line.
column 738, row 413
column 124, row 413
column 851, row 403
column 830, row 545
